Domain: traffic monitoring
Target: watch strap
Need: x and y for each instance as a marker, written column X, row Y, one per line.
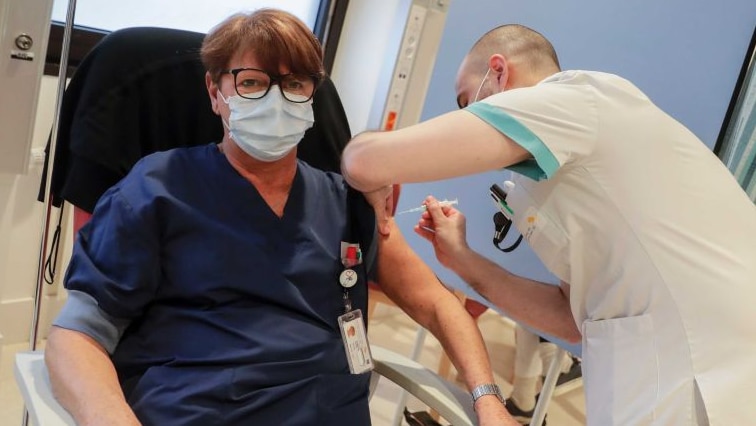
column 486, row 389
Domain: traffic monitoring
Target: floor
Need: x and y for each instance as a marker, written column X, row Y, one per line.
column 392, row 329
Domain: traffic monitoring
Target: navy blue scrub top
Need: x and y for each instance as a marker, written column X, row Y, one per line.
column 231, row 310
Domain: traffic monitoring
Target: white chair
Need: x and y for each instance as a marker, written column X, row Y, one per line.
column 451, row 402
column 34, row 383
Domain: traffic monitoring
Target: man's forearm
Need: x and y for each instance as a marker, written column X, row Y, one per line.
column 375, row 159
column 359, row 170
column 541, row 306
column 84, row 380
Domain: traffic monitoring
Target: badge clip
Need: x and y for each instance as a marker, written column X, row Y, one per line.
column 351, row 254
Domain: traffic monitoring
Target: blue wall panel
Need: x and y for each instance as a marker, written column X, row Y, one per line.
column 686, row 56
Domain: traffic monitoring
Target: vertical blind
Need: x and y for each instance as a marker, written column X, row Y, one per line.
column 737, row 148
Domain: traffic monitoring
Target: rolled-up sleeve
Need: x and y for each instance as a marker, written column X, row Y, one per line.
column 556, row 123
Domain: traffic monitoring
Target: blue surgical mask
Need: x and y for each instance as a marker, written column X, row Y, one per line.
column 267, row 128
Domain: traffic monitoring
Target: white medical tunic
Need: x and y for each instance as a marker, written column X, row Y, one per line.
column 656, row 239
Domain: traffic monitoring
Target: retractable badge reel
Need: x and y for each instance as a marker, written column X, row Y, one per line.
column 351, row 324
column 504, row 217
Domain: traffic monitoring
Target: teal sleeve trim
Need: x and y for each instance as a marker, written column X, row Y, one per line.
column 545, row 164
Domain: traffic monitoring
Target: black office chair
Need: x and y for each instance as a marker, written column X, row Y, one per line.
column 142, row 90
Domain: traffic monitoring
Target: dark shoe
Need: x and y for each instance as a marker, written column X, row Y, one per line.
column 523, row 417
column 419, row 418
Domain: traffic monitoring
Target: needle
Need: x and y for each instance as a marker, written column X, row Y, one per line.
column 423, row 207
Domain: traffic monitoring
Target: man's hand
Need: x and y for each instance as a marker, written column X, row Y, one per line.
column 382, row 200
column 444, row 227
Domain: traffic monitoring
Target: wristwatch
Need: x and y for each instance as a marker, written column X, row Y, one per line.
column 487, row 389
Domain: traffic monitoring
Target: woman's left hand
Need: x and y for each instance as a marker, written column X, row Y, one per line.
column 382, row 200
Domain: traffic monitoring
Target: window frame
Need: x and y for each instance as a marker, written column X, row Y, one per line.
column 725, row 143
column 328, row 25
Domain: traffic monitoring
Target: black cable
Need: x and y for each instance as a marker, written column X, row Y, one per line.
column 510, row 248
column 51, row 263
column 502, row 225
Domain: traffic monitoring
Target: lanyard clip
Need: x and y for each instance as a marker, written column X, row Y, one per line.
column 347, row 302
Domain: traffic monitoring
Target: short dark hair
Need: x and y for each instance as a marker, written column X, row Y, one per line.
column 515, row 40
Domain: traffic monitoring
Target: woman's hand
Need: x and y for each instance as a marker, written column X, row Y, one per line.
column 382, row 200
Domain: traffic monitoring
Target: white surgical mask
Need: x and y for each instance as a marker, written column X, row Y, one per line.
column 270, row 127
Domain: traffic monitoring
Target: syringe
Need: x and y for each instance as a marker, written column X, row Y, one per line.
column 423, row 207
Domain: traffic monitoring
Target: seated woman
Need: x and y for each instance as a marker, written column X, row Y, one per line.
column 223, row 284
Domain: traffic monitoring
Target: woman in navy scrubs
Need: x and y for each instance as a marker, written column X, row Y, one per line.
column 223, row 284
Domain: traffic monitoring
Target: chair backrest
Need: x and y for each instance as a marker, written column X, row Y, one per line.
column 142, row 90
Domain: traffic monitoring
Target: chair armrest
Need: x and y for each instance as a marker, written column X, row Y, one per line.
column 34, row 383
column 450, row 401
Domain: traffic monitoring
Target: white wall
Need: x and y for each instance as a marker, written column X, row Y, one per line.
column 365, row 54
column 21, row 221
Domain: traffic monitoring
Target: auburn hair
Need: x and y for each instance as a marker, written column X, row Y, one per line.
column 276, row 37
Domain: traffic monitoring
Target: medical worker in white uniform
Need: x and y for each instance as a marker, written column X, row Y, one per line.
column 651, row 236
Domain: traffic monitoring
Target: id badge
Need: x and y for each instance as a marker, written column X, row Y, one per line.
column 355, row 342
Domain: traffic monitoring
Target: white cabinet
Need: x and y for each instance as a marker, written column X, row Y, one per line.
column 24, row 28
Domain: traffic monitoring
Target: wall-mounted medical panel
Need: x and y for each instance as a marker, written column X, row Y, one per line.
column 401, row 103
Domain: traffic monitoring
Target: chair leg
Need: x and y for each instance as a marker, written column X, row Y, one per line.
column 371, row 307
column 374, row 377
column 417, row 348
column 539, row 414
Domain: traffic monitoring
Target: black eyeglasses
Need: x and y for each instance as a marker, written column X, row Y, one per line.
column 253, row 83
